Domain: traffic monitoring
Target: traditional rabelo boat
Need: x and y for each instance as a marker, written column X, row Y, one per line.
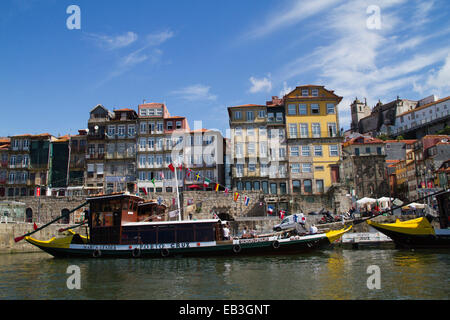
column 124, row 226
column 419, row 232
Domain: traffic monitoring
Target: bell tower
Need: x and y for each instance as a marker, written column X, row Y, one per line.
column 359, row 110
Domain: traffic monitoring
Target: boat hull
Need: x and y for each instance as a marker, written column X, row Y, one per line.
column 254, row 246
column 417, row 233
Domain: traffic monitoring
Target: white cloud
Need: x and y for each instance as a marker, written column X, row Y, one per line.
column 259, row 85
column 357, row 61
column 155, row 39
column 114, row 42
column 197, row 92
column 288, row 16
column 285, row 89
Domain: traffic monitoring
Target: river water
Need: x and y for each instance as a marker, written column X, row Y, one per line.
column 329, row 274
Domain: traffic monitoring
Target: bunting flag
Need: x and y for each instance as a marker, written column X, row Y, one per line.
column 246, row 200
column 270, row 210
column 161, row 174
column 171, row 168
column 227, row 190
column 236, row 196
column 188, row 172
column 217, row 187
column 282, row 213
column 35, row 226
column 206, row 182
column 197, row 176
column 180, row 167
column 144, row 190
column 153, row 181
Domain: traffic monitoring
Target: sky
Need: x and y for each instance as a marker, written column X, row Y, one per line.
column 201, row 56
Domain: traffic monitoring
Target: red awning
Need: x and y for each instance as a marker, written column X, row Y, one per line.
column 194, row 186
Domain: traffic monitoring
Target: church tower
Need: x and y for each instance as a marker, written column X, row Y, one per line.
column 359, row 110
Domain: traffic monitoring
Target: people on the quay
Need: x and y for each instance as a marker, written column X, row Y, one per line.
column 313, row 229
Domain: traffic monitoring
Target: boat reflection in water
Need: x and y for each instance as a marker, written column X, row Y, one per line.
column 124, row 226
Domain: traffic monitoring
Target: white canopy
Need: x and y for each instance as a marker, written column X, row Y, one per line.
column 415, row 205
column 366, row 200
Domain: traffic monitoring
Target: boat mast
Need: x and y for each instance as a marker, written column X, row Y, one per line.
column 178, row 196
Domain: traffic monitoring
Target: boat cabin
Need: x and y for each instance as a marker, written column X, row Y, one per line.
column 107, row 215
column 128, row 219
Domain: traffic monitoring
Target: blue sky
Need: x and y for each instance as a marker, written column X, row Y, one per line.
column 201, row 56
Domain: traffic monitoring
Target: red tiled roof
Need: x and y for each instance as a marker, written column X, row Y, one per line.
column 124, row 110
column 248, row 105
column 365, row 140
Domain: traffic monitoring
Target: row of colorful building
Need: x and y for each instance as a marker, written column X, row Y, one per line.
column 293, row 145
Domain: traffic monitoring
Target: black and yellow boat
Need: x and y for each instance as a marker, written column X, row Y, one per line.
column 415, row 233
column 119, row 228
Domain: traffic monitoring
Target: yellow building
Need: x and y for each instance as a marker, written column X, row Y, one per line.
column 314, row 140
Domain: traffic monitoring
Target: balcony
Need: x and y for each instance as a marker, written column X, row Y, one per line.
column 95, row 156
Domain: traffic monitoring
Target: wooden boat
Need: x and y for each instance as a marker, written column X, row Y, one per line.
column 118, row 229
column 415, row 233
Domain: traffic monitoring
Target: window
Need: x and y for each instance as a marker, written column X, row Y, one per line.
column 295, row 168
column 334, row 151
column 239, row 170
column 261, row 113
column 250, row 116
column 151, row 143
column 356, row 151
column 270, row 117
column 291, row 109
column 330, row 108
column 296, row 186
column 304, row 130
column 143, row 127
column 367, row 149
column 142, row 143
column 150, row 161
column 302, row 109
column 143, row 112
column 306, row 151
column 251, row 167
column 315, row 127
column 307, row 186
column 238, row 131
column 315, row 92
column 178, row 124
column 283, row 188
column 305, row 92
column 265, row 187
column 319, row 168
column 111, row 130
column 121, row 130
column 318, row 151
column 319, row 186
column 306, row 167
column 273, row 188
column 264, row 170
column 379, row 150
column 256, row 186
column 239, row 150
column 282, row 152
column 237, row 115
column 160, row 127
column 262, row 131
column 279, row 117
column 169, row 125
column 131, row 130
column 332, row 130
column 293, row 130
column 248, row 185
column 263, row 149
column 251, row 148
column 315, row 108
column 294, row 152
column 250, row 131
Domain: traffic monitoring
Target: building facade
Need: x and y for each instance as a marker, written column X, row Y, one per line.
column 313, row 139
